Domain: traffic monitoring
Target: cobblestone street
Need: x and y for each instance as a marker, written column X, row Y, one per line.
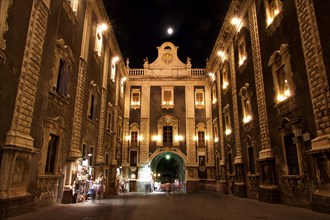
column 171, row 206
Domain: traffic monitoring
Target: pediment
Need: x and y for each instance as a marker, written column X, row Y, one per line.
column 167, row 58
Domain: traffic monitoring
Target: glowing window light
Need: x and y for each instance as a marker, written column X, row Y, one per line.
column 247, row 119
column 224, row 84
column 216, row 140
column 241, row 60
column 214, row 101
column 228, row 131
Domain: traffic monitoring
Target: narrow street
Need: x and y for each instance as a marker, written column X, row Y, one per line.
column 171, row 206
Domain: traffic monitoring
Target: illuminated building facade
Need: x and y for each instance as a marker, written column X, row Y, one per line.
column 61, row 74
column 271, row 68
column 254, row 123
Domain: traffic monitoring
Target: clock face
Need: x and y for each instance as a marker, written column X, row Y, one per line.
column 167, row 57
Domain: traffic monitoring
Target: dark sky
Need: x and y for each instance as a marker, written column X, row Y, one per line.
column 140, row 26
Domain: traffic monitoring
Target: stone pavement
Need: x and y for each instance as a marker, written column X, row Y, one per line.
column 138, row 206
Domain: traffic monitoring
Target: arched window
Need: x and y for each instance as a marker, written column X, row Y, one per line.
column 280, row 66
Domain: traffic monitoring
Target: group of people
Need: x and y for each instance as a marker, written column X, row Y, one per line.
column 87, row 188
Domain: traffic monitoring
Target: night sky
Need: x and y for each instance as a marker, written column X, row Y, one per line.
column 141, row 25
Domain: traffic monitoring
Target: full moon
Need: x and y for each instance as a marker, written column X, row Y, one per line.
column 169, row 31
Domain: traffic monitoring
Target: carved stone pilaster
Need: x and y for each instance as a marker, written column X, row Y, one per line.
column 78, row 110
column 144, row 145
column 266, row 151
column 125, row 150
column 100, row 144
column 238, row 158
column 191, row 151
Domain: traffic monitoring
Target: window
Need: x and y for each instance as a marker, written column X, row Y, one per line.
column 100, row 29
column 135, row 98
column 201, row 138
column 215, row 130
column 214, row 93
column 273, row 9
column 63, row 60
column 92, row 103
column 134, row 138
column 167, row 136
column 225, row 75
column 133, row 158
column 51, row 154
column 291, row 155
column 252, row 168
column 226, row 113
column 84, row 151
column 109, row 118
column 201, row 135
column 241, row 48
column 91, row 156
column 246, row 103
column 113, row 68
column 63, row 77
column 74, row 5
column 167, row 97
column 122, row 86
column 282, row 76
column 199, row 98
column 230, row 164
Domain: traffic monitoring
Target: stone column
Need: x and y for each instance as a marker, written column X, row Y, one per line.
column 192, row 165
column 209, row 131
column 239, row 185
column 268, row 189
column 223, row 173
column 144, row 126
column 18, row 147
column 319, row 91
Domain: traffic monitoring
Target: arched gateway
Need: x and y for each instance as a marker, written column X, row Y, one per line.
column 168, row 169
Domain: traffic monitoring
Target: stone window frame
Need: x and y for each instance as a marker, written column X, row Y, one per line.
column 225, row 75
column 251, row 171
column 170, row 103
column 94, row 93
column 71, row 8
column 135, row 104
column 120, row 128
column 227, row 120
column 215, row 130
column 109, row 118
column 113, row 68
column 199, row 104
column 134, row 127
column 241, row 49
column 62, row 53
column 214, row 93
column 53, row 126
column 4, row 8
column 122, row 87
column 280, row 61
column 168, row 120
column 245, row 95
column 98, row 41
column 273, row 14
column 201, row 127
column 292, row 128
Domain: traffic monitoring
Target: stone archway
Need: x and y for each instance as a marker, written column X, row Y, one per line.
column 175, row 159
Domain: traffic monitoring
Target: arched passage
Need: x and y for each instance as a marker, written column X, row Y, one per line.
column 169, row 168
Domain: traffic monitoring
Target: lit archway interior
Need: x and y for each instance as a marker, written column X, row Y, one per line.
column 168, row 167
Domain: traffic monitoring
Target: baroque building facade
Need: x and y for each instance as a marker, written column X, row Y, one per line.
column 62, row 106
column 254, row 123
column 270, row 65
